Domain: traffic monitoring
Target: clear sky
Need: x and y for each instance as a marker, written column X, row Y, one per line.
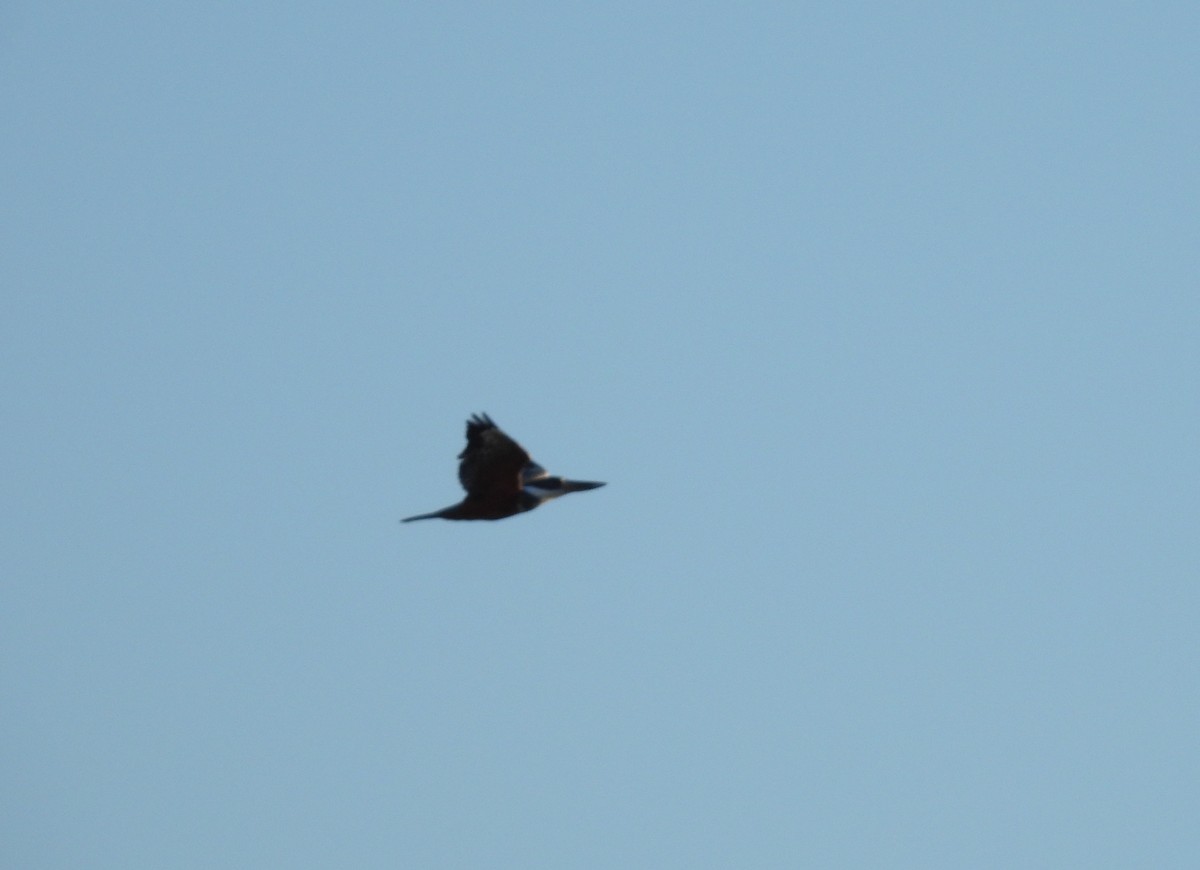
column 882, row 322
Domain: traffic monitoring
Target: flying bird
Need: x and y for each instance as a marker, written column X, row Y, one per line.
column 500, row 478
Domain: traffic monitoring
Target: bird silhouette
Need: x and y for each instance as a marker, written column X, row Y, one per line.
column 500, row 478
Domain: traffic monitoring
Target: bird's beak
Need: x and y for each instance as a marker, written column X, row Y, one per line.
column 579, row 485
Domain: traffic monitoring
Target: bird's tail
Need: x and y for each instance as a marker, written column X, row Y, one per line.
column 433, row 516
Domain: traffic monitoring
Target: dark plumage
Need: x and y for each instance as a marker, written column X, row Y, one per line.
column 500, row 478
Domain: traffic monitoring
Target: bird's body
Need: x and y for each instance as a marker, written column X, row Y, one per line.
column 500, row 478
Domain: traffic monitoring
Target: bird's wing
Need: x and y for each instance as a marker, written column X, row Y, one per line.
column 492, row 463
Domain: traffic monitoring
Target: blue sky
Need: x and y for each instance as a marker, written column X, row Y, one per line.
column 880, row 320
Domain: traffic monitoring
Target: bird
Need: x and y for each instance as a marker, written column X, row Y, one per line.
column 500, row 478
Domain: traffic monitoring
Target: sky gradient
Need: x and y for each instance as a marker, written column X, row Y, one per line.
column 881, row 321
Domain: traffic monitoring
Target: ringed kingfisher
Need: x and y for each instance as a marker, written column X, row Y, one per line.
column 500, row 478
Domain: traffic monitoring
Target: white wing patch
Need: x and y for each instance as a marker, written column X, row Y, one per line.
column 531, row 472
column 543, row 495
